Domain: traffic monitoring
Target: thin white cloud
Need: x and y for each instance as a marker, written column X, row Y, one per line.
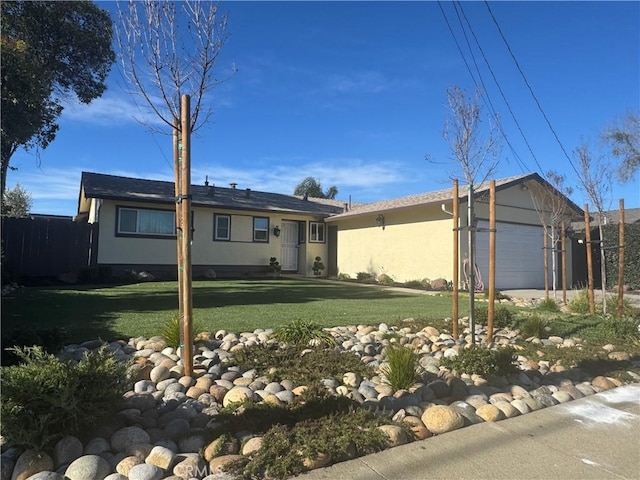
column 56, row 190
column 358, row 82
column 112, row 110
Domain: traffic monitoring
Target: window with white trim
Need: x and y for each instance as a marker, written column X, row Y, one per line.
column 140, row 221
column 260, row 229
column 222, row 227
column 316, row 232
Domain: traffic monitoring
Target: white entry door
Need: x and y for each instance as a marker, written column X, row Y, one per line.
column 289, row 246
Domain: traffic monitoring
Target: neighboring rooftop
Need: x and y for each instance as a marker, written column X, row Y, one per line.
column 443, row 196
column 111, row 187
column 631, row 215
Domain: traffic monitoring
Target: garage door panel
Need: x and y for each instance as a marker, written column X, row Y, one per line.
column 519, row 255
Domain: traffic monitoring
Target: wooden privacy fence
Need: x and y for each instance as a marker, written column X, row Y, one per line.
column 38, row 248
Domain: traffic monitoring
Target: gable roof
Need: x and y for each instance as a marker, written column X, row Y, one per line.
column 112, row 187
column 440, row 196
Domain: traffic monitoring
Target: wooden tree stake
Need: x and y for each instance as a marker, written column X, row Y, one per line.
column 587, row 233
column 456, row 258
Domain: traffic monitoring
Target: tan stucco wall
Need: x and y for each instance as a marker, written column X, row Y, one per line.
column 240, row 251
column 415, row 244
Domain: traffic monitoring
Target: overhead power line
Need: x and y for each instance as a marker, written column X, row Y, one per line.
column 485, row 97
column 495, row 79
column 526, row 81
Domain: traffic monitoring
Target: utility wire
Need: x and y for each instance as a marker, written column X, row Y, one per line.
column 522, row 165
column 530, row 89
column 464, row 59
column 515, row 120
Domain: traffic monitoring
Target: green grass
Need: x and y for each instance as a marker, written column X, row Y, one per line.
column 112, row 312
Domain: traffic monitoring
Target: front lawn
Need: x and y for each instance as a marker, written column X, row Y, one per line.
column 112, row 312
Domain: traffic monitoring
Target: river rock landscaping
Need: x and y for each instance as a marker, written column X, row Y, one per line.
column 178, row 427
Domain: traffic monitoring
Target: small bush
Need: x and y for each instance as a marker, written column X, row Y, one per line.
column 318, row 266
column 301, row 332
column 171, row 330
column 628, row 310
column 502, row 316
column 344, row 276
column 548, row 305
column 366, row 277
column 417, row 284
column 498, row 295
column 44, row 399
column 580, row 303
column 274, row 266
column 385, row 279
column 535, row 326
column 304, row 369
column 482, row 361
column 611, row 329
column 402, row 367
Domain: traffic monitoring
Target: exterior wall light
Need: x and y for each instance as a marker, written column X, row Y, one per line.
column 276, row 231
column 380, row 221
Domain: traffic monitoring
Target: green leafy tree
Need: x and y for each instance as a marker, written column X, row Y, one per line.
column 49, row 49
column 16, row 202
column 311, row 187
column 624, row 140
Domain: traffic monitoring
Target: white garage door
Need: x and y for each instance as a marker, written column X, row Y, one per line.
column 519, row 256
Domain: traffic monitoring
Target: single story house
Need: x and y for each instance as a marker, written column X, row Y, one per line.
column 411, row 238
column 234, row 231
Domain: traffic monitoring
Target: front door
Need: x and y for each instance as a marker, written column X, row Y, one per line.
column 289, row 249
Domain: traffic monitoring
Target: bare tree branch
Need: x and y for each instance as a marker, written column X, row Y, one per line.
column 168, row 49
column 476, row 155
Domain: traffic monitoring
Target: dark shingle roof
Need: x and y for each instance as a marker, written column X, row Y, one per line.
column 111, row 187
column 442, row 196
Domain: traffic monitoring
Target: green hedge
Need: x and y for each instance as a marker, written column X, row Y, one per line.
column 631, row 254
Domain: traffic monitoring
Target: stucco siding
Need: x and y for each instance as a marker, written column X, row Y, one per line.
column 414, row 244
column 240, row 250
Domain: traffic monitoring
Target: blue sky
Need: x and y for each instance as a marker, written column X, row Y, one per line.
column 353, row 93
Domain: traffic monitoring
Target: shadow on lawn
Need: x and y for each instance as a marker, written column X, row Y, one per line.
column 92, row 311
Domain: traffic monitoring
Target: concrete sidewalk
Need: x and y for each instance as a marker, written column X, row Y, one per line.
column 596, row 437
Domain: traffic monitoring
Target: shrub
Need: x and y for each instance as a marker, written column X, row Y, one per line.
column 535, row 326
column 300, row 332
column 340, row 436
column 344, row 276
column 171, row 330
column 580, row 302
column 304, row 369
column 417, row 284
column 628, row 310
column 274, row 266
column 631, row 254
column 502, row 316
column 44, row 399
column 548, row 305
column 402, row 367
column 611, row 329
column 497, row 295
column 482, row 361
column 366, row 277
column 385, row 279
column 318, row 266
